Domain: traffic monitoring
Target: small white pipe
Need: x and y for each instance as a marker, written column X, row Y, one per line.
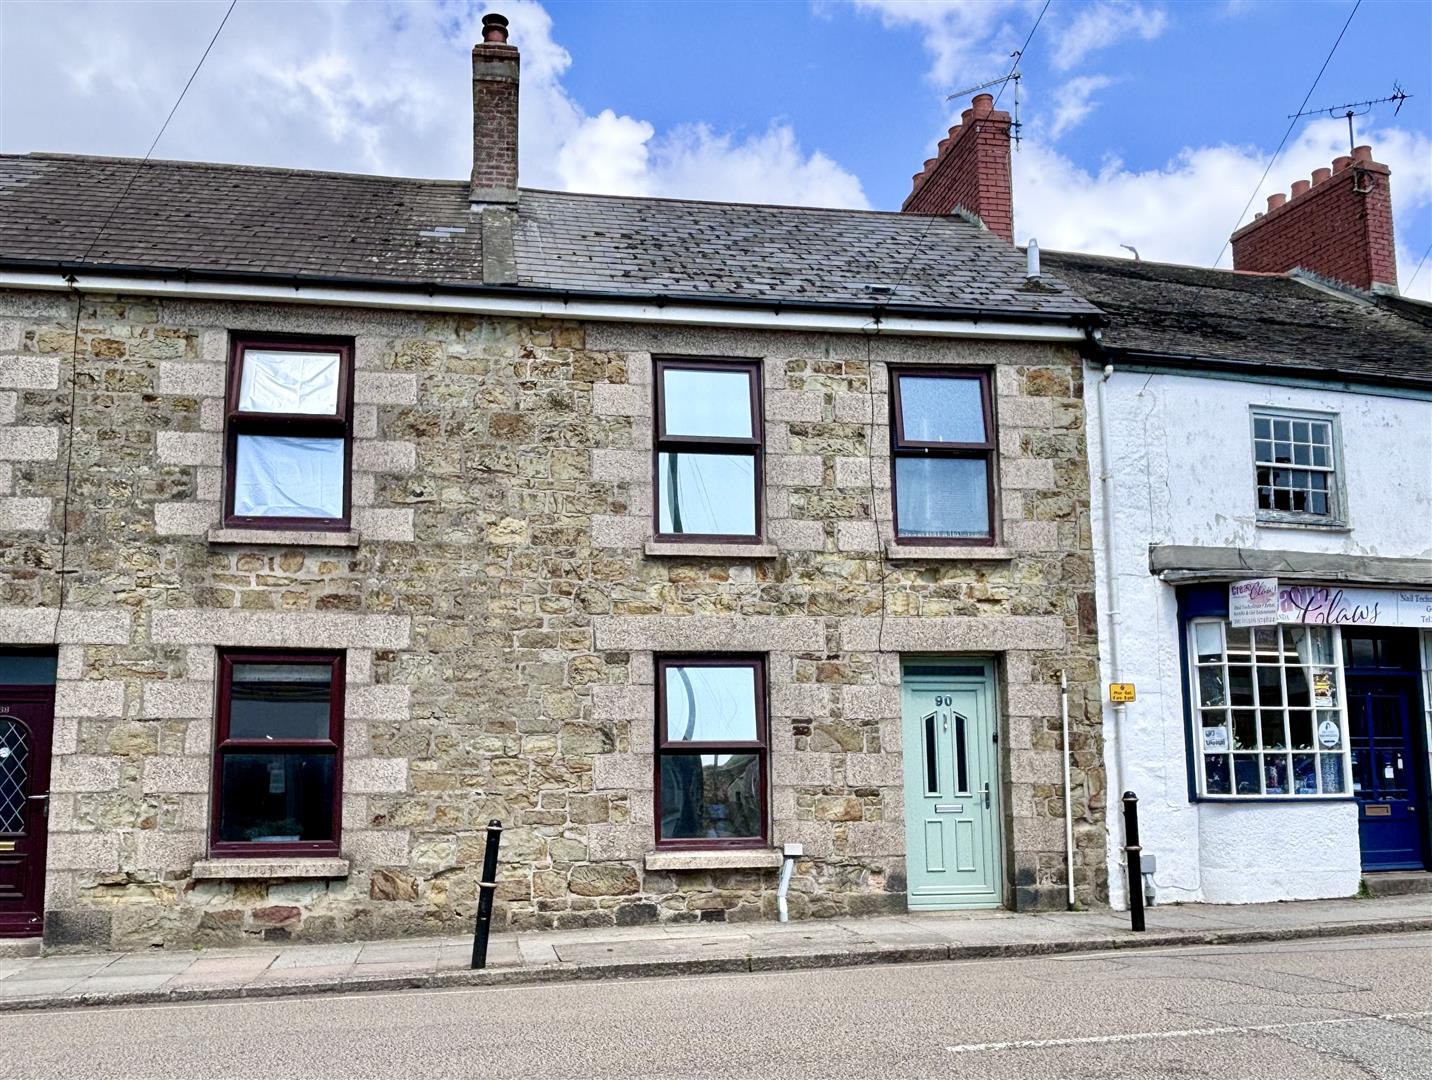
column 1031, row 255
column 782, row 914
column 1068, row 792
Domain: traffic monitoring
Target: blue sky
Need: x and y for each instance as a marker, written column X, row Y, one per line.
column 1146, row 122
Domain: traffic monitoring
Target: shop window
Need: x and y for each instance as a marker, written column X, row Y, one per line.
column 708, row 451
column 712, row 752
column 278, row 759
column 943, row 452
column 1295, row 459
column 1270, row 720
column 288, row 435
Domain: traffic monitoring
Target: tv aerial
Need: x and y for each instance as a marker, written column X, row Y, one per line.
column 1356, row 108
column 1013, row 77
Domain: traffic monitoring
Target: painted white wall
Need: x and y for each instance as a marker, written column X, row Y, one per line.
column 1181, row 463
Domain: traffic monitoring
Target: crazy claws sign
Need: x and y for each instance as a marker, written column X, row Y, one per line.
column 1326, row 605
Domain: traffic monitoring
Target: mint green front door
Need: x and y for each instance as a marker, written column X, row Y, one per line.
column 952, row 815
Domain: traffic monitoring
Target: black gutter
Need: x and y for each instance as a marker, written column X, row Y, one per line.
column 1099, row 353
column 297, row 281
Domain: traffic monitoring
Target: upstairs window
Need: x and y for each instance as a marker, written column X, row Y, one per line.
column 278, row 754
column 1295, row 457
column 708, row 451
column 944, row 446
column 288, row 442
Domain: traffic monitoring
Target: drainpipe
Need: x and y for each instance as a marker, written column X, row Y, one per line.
column 1068, row 793
column 792, row 852
column 1111, row 578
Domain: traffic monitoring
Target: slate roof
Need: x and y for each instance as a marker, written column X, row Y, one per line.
column 225, row 218
column 1252, row 319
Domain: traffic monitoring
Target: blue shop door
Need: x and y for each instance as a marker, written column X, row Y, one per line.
column 1385, row 774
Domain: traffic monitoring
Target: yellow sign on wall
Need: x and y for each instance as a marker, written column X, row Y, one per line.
column 1121, row 692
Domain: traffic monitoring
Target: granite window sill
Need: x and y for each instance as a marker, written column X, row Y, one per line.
column 897, row 552
column 733, row 859
column 669, row 549
column 349, row 538
column 1304, row 526
column 272, row 868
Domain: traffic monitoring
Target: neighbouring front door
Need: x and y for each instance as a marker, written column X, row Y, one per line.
column 952, row 816
column 1385, row 776
column 26, row 722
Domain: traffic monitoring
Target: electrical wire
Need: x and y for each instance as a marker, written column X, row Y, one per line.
column 63, row 570
column 1283, row 141
column 1420, row 261
column 1020, row 55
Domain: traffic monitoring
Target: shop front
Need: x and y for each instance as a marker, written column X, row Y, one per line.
column 1314, row 694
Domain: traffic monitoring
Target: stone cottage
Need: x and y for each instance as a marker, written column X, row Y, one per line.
column 341, row 514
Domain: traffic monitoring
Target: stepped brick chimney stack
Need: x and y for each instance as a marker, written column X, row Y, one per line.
column 971, row 171
column 496, row 71
column 1338, row 224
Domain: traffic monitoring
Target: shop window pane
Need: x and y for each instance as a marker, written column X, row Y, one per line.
column 1215, row 732
column 1208, row 639
column 710, row 704
column 1274, row 737
column 942, row 409
column 1329, row 729
column 1215, row 774
column 706, row 494
column 1275, row 774
column 1210, row 686
column 289, row 382
column 1299, row 695
column 1321, row 639
column 1332, row 768
column 1300, row 730
column 1268, row 644
column 1240, row 685
column 1245, row 775
column 278, row 797
column 1325, row 688
column 1305, row 774
column 286, row 476
column 280, row 701
column 1245, row 729
column 1239, row 644
column 1359, row 651
column 707, row 404
column 710, row 796
column 942, row 496
column 1270, row 686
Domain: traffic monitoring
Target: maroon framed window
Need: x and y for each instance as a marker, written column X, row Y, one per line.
column 712, row 752
column 708, row 461
column 278, row 760
column 943, row 447
column 288, row 433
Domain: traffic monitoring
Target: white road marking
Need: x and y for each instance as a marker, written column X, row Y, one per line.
column 1184, row 1033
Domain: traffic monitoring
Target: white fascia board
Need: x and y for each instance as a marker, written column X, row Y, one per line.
column 544, row 307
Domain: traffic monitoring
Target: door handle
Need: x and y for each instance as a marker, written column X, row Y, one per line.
column 45, row 796
column 985, row 793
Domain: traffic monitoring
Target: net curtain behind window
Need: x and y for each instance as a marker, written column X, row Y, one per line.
column 288, row 476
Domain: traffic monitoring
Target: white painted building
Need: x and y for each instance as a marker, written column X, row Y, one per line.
column 1268, row 428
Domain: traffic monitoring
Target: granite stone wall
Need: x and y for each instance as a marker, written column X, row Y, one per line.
column 500, row 609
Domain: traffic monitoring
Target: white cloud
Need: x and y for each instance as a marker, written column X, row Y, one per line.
column 1100, row 25
column 362, row 87
column 1184, row 211
column 968, row 40
column 1074, row 101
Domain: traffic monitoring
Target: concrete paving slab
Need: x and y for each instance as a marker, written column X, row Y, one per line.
column 318, row 956
column 120, row 984
column 310, row 973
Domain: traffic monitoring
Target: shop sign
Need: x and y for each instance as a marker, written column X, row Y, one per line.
column 1323, row 695
column 1121, row 693
column 1328, row 734
column 1331, row 605
column 1215, row 740
column 1253, row 602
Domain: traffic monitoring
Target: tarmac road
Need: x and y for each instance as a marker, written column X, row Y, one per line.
column 1312, row 1010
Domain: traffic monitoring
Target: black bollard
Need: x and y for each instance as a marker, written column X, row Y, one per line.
column 1135, row 860
column 486, row 887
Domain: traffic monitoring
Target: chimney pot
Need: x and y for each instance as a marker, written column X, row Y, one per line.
column 494, row 28
column 1319, row 175
column 1339, row 164
column 983, row 104
column 1275, row 201
column 1300, row 186
column 1362, row 153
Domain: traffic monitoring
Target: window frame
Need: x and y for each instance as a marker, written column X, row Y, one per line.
column 227, row 658
column 761, row 747
column 754, row 446
column 901, row 447
column 237, row 422
column 1196, row 709
column 1336, row 518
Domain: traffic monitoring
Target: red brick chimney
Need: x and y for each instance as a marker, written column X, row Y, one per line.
column 496, row 70
column 1338, row 225
column 971, row 171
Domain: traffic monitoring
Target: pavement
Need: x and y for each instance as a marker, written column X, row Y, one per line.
column 159, row 976
column 1348, row 1008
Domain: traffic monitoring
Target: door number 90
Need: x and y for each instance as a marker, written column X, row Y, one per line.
column 944, row 700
